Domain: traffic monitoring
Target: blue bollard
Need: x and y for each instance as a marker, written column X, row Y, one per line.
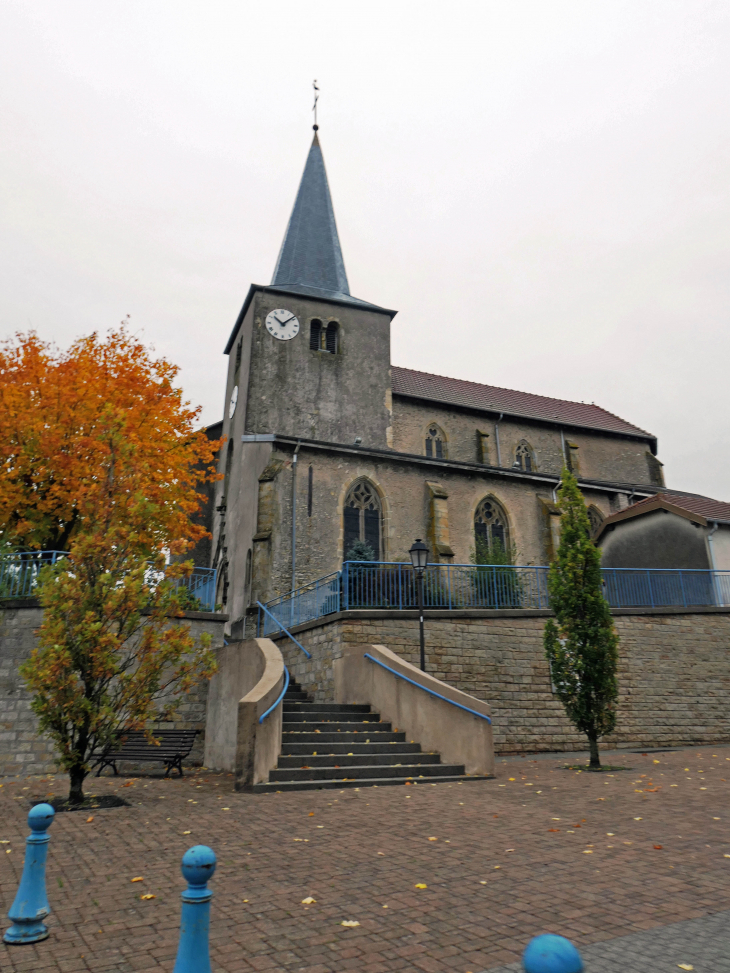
column 193, row 955
column 551, row 954
column 31, row 906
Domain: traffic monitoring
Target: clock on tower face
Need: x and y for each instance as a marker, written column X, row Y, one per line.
column 282, row 324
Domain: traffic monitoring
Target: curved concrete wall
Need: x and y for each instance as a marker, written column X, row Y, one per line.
column 250, row 678
column 459, row 736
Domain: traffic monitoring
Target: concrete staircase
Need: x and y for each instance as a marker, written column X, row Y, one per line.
column 334, row 746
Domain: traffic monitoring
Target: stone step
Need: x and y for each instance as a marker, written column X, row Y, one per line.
column 351, row 759
column 365, row 772
column 335, row 726
column 337, row 749
column 316, row 717
column 291, row 698
column 341, row 736
column 305, row 707
column 308, row 785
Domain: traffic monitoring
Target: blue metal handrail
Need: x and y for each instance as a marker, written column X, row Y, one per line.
column 284, row 630
column 279, row 699
column 426, row 689
column 19, row 576
column 392, row 586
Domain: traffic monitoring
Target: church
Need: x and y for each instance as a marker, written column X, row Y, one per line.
column 328, row 443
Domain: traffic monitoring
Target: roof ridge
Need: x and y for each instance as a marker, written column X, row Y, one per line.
column 533, row 395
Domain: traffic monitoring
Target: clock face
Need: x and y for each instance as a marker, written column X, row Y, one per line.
column 234, row 401
column 282, row 324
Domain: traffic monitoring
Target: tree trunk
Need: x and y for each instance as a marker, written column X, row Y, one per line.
column 77, row 776
column 595, row 763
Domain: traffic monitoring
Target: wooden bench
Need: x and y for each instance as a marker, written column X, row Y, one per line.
column 174, row 746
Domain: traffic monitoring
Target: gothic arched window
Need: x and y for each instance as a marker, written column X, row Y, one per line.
column 436, row 442
column 491, row 531
column 595, row 517
column 363, row 517
column 524, row 457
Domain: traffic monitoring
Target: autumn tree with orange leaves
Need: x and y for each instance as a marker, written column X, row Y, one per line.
column 100, row 457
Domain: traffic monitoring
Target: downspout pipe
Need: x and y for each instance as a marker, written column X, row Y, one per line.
column 496, row 438
column 294, row 516
column 710, row 546
column 711, row 551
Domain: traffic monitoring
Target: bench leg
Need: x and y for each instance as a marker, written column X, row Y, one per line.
column 105, row 763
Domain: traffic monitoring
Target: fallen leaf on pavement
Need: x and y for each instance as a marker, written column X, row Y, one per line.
column 433, row 839
column 308, row 901
column 685, row 966
column 421, row 885
column 311, row 814
column 139, row 878
column 350, row 923
column 90, row 819
column 553, row 829
column 147, row 896
column 658, row 847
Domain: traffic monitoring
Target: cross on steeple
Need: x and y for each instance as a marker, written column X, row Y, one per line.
column 314, row 106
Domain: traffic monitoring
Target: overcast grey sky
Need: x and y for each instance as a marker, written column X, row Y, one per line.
column 540, row 188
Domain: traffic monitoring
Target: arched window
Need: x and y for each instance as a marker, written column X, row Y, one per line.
column 491, row 532
column 330, row 338
column 363, row 518
column 435, row 442
column 222, row 592
column 595, row 517
column 524, row 457
column 323, row 338
column 315, row 335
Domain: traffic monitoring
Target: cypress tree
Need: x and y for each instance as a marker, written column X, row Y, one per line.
column 581, row 643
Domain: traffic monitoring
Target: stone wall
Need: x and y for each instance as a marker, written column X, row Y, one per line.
column 22, row 749
column 674, row 671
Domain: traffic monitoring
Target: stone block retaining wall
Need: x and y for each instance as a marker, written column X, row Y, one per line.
column 674, row 671
column 22, row 749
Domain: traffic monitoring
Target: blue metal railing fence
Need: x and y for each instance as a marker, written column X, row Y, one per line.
column 392, row 586
column 19, row 578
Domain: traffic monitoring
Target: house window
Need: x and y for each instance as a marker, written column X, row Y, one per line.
column 436, row 442
column 363, row 518
column 491, row 531
column 524, row 457
column 323, row 338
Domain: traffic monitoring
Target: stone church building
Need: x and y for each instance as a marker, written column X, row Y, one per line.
column 328, row 442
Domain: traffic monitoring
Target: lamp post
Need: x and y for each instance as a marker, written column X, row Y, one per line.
column 419, row 560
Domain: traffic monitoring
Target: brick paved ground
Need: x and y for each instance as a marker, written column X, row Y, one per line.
column 539, row 848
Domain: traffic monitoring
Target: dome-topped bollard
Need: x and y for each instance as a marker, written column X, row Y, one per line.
column 31, row 906
column 551, row 954
column 193, row 953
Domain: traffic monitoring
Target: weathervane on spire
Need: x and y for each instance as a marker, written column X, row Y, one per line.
column 314, row 106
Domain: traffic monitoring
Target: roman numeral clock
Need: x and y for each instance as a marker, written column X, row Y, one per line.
column 282, row 324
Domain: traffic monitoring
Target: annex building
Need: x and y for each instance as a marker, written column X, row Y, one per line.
column 328, row 442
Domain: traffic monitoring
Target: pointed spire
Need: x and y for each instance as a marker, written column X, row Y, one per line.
column 311, row 257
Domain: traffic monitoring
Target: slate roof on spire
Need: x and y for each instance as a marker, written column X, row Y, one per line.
column 310, row 261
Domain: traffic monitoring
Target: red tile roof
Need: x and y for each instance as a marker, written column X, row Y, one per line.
column 455, row 391
column 692, row 502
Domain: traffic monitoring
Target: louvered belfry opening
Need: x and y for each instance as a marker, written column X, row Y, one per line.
column 315, row 335
column 330, row 342
column 363, row 516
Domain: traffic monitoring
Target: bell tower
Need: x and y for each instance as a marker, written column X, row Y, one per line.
column 306, row 358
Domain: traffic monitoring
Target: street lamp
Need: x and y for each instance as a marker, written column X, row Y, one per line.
column 419, row 560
